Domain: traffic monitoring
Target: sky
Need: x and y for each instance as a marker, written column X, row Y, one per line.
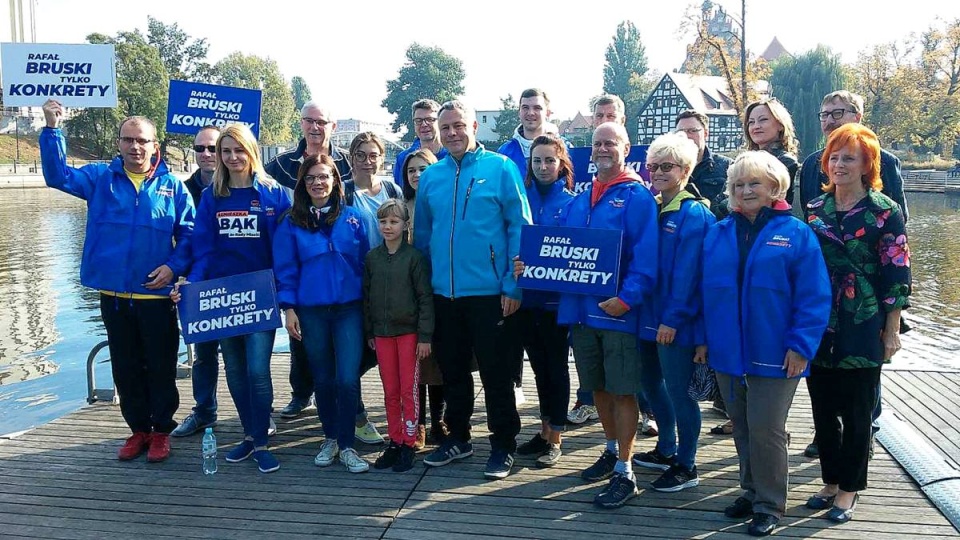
column 346, row 51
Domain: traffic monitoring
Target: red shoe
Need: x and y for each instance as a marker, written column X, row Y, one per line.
column 135, row 445
column 159, row 447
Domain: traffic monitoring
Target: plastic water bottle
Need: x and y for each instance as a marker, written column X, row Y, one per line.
column 209, row 446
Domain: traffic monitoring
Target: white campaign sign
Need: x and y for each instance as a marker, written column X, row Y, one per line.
column 74, row 75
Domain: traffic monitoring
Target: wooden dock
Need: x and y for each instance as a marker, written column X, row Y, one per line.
column 62, row 480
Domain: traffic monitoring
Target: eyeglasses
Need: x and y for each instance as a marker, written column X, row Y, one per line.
column 689, row 131
column 665, row 167
column 317, row 121
column 199, row 148
column 138, row 140
column 314, row 178
column 422, row 121
column 836, row 114
column 363, row 156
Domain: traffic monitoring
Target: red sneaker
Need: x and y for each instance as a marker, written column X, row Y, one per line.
column 135, row 445
column 159, row 447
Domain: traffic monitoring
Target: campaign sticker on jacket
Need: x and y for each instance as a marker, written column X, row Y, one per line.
column 238, row 224
column 75, row 75
column 584, row 168
column 228, row 307
column 191, row 106
column 570, row 259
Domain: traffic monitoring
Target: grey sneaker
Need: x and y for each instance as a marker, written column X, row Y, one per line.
column 192, row 424
column 352, row 461
column 550, row 458
column 328, row 453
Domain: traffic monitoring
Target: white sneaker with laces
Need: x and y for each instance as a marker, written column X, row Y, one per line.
column 352, row 461
column 583, row 414
column 328, row 453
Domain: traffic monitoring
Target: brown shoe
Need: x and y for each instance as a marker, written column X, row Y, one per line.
column 438, row 432
column 159, row 447
column 135, row 445
column 421, row 437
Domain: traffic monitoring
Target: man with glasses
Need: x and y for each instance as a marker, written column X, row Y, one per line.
column 425, row 125
column 317, row 125
column 839, row 108
column 139, row 222
column 710, row 173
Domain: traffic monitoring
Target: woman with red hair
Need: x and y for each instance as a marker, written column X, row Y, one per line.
column 864, row 242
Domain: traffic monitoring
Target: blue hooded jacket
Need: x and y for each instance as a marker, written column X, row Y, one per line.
column 781, row 302
column 546, row 210
column 129, row 234
column 469, row 216
column 629, row 207
column 322, row 267
column 683, row 225
column 216, row 254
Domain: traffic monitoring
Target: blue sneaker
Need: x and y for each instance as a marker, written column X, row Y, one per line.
column 241, row 452
column 192, row 424
column 499, row 465
column 602, row 469
column 266, row 461
column 447, row 452
column 620, row 490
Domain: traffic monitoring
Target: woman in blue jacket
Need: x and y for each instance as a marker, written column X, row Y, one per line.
column 684, row 220
column 549, row 184
column 318, row 259
column 766, row 301
column 233, row 233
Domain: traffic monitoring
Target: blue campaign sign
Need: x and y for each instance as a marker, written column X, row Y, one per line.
column 227, row 307
column 584, row 169
column 192, row 106
column 570, row 259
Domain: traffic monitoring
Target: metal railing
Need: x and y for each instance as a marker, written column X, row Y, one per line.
column 95, row 394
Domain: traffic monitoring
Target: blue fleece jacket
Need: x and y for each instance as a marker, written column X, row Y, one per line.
column 321, row 267
column 234, row 234
column 469, row 216
column 546, row 209
column 628, row 207
column 129, row 233
column 683, row 225
column 783, row 301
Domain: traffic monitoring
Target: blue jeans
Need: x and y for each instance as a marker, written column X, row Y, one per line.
column 333, row 338
column 204, row 379
column 651, row 381
column 676, row 364
column 246, row 361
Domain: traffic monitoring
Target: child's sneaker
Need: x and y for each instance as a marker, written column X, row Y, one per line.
column 405, row 460
column 388, row 458
column 352, row 461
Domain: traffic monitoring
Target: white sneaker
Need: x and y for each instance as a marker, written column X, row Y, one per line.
column 518, row 395
column 272, row 428
column 352, row 461
column 648, row 426
column 328, row 453
column 583, row 414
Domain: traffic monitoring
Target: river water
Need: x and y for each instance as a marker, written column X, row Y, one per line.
column 51, row 322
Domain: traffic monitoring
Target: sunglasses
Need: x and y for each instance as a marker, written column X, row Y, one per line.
column 665, row 167
column 199, row 148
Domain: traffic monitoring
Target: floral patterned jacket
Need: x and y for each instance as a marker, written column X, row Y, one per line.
column 868, row 260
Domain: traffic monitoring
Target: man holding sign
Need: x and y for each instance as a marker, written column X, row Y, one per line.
column 139, row 221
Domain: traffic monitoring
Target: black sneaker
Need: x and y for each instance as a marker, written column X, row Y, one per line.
column 388, row 458
column 295, row 408
column 812, row 450
column 620, row 490
column 537, row 446
column 653, row 460
column 449, row 451
column 676, row 478
column 405, row 460
column 741, row 508
column 499, row 465
column 602, row 469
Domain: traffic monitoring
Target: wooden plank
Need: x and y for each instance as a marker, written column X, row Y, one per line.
column 918, row 414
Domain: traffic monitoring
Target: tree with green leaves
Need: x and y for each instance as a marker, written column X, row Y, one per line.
column 800, row 82
column 427, row 73
column 623, row 71
column 277, row 107
column 300, row 91
column 142, row 88
column 507, row 120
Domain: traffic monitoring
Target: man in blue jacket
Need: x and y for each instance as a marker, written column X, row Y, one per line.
column 139, row 222
column 471, row 206
column 425, row 124
column 534, row 121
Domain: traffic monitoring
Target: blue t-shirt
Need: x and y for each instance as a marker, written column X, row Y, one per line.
column 368, row 205
column 242, row 225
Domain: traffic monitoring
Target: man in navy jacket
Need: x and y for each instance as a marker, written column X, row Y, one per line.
column 425, row 113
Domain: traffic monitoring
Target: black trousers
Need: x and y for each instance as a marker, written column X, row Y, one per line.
column 301, row 380
column 851, row 395
column 547, row 345
column 143, row 340
column 475, row 324
column 513, row 329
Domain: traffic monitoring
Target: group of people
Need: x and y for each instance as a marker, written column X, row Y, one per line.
column 418, row 276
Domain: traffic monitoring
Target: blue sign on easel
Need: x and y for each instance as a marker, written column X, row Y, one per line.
column 574, row 260
column 227, row 307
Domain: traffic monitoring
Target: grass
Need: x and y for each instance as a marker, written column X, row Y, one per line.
column 30, row 151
